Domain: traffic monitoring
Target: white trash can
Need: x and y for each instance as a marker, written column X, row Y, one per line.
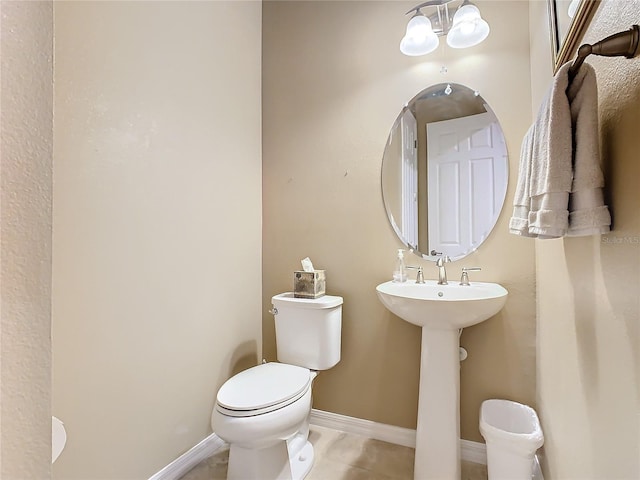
column 513, row 434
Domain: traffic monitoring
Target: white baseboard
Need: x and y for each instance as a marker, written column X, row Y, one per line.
column 469, row 451
column 366, row 428
column 185, row 462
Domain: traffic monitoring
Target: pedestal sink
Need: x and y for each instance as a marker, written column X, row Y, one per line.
column 441, row 311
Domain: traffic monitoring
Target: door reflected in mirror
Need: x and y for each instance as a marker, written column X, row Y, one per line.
column 445, row 172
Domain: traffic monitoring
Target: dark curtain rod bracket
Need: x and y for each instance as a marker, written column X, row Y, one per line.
column 617, row 45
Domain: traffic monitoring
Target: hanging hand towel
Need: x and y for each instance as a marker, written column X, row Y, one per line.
column 588, row 215
column 519, row 222
column 545, row 168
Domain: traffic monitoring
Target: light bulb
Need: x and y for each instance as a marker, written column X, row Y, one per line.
column 418, row 28
column 420, row 38
column 468, row 28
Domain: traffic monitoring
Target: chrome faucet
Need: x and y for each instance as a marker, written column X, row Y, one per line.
column 419, row 275
column 442, row 271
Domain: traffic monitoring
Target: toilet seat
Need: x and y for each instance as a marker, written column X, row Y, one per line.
column 262, row 389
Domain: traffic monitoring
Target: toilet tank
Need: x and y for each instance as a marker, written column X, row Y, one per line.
column 308, row 331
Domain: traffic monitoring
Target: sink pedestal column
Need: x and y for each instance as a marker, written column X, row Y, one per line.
column 438, row 430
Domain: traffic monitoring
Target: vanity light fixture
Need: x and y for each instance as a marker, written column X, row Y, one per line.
column 465, row 28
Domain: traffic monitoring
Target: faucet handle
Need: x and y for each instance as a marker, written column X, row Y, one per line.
column 464, row 279
column 419, row 275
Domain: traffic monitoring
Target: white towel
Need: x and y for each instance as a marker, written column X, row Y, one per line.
column 588, row 213
column 559, row 190
column 545, row 168
column 519, row 222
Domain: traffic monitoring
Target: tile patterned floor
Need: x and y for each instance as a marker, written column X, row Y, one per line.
column 344, row 456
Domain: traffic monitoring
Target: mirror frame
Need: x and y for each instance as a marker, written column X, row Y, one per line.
column 564, row 49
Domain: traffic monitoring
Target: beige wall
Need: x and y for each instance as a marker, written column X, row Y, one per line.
column 588, row 305
column 145, row 239
column 321, row 181
column 26, row 147
column 157, row 225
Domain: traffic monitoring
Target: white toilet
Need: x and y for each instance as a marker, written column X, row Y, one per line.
column 263, row 412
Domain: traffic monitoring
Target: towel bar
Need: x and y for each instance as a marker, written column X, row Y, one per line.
column 619, row 44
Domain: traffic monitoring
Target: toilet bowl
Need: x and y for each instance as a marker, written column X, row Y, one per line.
column 263, row 412
column 513, row 434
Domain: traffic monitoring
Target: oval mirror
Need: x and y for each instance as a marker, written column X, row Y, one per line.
column 445, row 172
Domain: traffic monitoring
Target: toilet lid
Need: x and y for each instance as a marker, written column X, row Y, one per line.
column 264, row 386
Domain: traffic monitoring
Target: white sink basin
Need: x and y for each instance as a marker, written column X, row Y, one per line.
column 451, row 306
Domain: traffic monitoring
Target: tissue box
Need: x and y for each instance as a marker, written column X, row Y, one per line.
column 308, row 284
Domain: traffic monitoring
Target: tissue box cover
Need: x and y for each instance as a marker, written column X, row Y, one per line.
column 309, row 284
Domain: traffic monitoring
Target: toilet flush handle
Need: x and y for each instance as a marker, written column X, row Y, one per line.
column 273, row 311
